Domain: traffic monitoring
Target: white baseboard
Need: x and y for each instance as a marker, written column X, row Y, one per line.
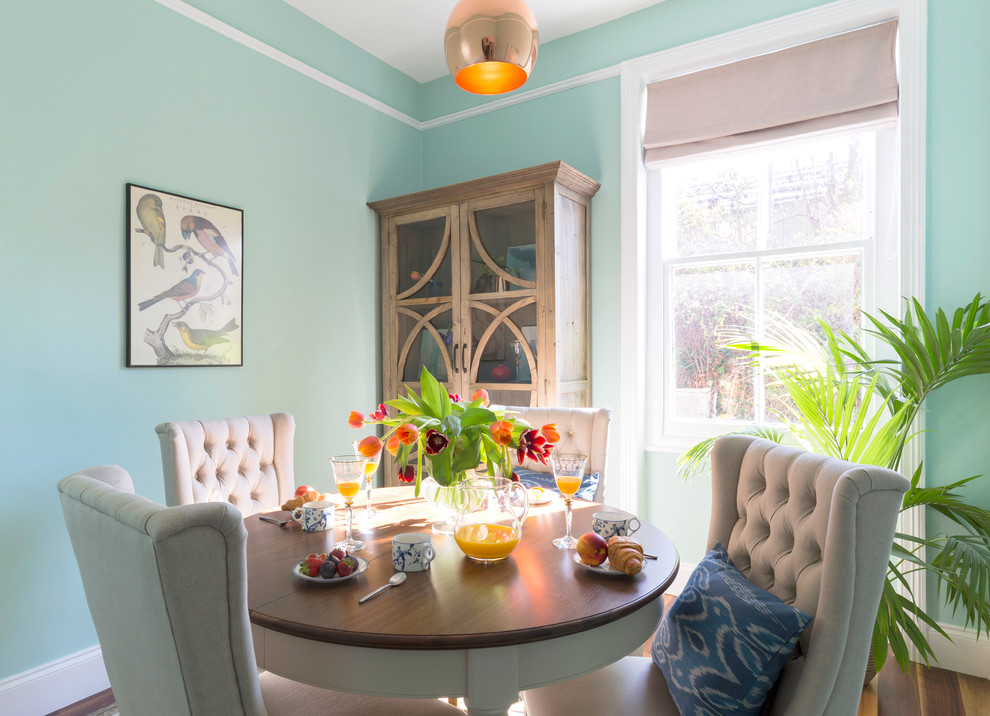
column 53, row 686
column 965, row 653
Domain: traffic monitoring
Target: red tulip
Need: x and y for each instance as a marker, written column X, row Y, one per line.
column 454, row 397
column 407, row 474
column 502, row 432
column 356, row 420
column 370, row 446
column 407, row 433
column 381, row 413
column 483, row 395
column 436, row 442
column 534, row 446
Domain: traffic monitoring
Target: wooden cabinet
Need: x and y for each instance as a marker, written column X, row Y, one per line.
column 486, row 284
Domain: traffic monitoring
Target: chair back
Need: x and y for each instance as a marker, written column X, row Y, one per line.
column 167, row 590
column 244, row 461
column 816, row 532
column 582, row 430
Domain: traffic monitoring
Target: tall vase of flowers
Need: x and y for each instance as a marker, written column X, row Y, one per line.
column 440, row 440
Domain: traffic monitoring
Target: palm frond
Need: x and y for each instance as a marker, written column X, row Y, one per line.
column 966, row 561
column 693, row 462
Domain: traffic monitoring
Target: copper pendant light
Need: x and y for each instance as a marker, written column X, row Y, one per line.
column 491, row 45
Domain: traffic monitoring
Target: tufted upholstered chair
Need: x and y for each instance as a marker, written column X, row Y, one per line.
column 814, row 531
column 244, row 461
column 582, row 430
column 167, row 590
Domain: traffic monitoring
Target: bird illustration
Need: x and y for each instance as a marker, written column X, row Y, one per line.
column 200, row 339
column 152, row 218
column 208, row 236
column 182, row 291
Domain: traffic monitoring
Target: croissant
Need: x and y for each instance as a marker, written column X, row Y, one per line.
column 299, row 501
column 625, row 554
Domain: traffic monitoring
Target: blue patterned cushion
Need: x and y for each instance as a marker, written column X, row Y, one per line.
column 724, row 641
column 545, row 480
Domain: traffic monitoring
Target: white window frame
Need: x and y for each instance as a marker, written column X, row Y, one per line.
column 881, row 285
column 769, row 36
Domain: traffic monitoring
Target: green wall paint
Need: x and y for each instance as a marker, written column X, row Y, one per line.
column 98, row 94
column 120, row 91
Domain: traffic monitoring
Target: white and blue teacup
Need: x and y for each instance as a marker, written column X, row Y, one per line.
column 412, row 552
column 613, row 524
column 314, row 516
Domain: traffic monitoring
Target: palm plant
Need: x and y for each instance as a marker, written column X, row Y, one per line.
column 849, row 405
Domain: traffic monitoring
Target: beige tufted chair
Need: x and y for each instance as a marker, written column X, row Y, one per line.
column 167, row 590
column 814, row 531
column 244, row 461
column 582, row 430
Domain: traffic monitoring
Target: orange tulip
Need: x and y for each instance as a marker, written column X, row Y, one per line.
column 393, row 444
column 502, row 432
column 356, row 420
column 483, row 395
column 550, row 432
column 407, row 433
column 370, row 446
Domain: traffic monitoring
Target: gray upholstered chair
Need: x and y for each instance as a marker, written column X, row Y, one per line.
column 582, row 430
column 244, row 461
column 167, row 590
column 814, row 531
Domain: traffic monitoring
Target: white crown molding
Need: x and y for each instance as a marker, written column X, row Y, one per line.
column 262, row 48
column 302, row 68
column 528, row 95
column 55, row 685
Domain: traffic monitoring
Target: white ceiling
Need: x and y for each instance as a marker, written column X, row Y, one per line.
column 408, row 34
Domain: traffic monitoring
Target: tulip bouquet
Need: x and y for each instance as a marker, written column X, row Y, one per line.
column 450, row 435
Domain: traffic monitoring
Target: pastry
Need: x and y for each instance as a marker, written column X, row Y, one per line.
column 625, row 554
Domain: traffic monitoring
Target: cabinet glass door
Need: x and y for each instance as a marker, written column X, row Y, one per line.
column 424, row 329
column 501, row 332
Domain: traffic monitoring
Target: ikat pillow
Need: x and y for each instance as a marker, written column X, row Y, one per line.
column 724, row 641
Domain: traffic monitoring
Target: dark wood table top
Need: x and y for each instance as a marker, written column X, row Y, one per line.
column 537, row 593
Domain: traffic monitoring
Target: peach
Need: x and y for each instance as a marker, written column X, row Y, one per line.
column 592, row 548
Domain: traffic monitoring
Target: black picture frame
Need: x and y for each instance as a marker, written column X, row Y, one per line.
column 185, row 269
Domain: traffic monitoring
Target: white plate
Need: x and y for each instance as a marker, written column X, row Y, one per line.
column 603, row 568
column 362, row 566
column 541, row 495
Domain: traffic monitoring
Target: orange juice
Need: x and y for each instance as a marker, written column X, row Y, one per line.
column 348, row 489
column 568, row 484
column 486, row 542
column 370, row 467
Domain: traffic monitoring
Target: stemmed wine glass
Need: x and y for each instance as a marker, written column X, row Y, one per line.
column 568, row 470
column 369, row 474
column 348, row 472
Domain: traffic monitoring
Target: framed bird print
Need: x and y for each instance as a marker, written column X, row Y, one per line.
column 184, row 280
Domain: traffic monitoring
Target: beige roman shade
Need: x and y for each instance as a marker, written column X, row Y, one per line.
column 843, row 80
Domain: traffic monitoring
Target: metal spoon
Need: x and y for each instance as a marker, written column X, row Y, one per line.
column 280, row 523
column 395, row 579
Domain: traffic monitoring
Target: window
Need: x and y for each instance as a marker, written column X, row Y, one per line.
column 741, row 240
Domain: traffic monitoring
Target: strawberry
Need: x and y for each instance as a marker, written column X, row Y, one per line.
column 346, row 566
column 339, row 553
column 311, row 566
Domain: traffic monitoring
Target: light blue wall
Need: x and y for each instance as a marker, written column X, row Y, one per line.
column 581, row 127
column 101, row 93
column 126, row 90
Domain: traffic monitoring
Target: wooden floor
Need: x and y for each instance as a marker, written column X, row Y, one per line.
column 923, row 691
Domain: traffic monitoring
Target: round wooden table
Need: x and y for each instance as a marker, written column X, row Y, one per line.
column 461, row 628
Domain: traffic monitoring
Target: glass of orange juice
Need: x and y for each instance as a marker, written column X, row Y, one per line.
column 348, row 474
column 568, row 471
column 370, row 468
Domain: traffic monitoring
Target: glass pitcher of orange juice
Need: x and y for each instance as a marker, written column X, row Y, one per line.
column 491, row 512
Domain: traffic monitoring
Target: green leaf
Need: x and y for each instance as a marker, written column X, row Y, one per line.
column 405, row 406
column 469, row 456
column 477, row 416
column 434, row 395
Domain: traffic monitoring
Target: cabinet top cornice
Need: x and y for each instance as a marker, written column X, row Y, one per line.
column 559, row 172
